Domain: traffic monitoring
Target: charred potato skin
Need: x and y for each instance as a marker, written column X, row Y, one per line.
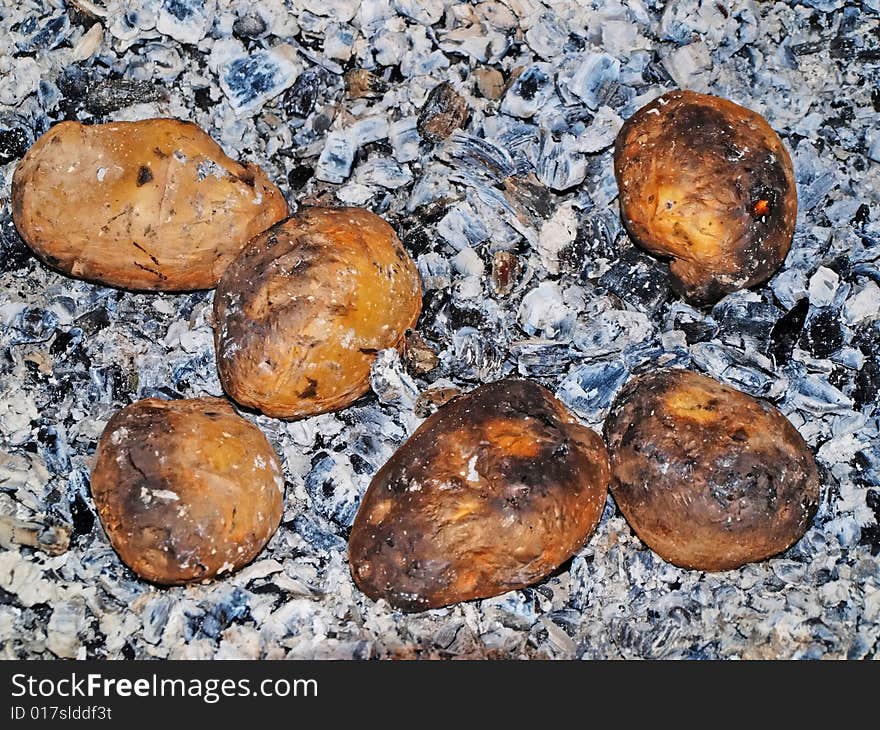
column 154, row 205
column 186, row 490
column 302, row 312
column 708, row 477
column 491, row 493
column 709, row 185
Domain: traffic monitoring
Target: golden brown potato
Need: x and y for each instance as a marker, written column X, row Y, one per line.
column 302, row 312
column 153, row 205
column 186, row 489
column 708, row 477
column 491, row 493
column 710, row 185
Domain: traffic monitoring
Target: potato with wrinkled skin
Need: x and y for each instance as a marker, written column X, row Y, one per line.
column 153, row 205
column 186, row 490
column 302, row 312
column 708, row 184
column 708, row 477
column 492, row 493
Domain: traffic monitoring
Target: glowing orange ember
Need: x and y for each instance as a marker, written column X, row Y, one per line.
column 761, row 208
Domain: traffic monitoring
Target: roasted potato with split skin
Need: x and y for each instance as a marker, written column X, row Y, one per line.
column 186, row 490
column 153, row 205
column 708, row 184
column 708, row 477
column 492, row 493
column 302, row 312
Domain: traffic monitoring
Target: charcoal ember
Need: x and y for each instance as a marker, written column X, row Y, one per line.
column 823, row 333
column 611, row 330
column 589, row 389
column 560, row 165
column 708, row 477
column 186, row 21
column 337, row 158
column 540, row 358
column 506, row 272
column 14, row 253
column 787, row 331
column 490, row 82
column 438, row 394
column 595, row 79
column 745, row 321
column 477, row 356
column 44, row 36
column 250, row 25
column 32, row 325
column 490, row 494
column 444, row 111
column 529, row 191
column 419, row 356
column 362, row 83
column 867, row 382
column 818, row 396
column 249, row 81
column 543, row 311
column 594, row 245
column 333, row 490
column 750, row 372
column 638, row 280
column 15, row 138
column 299, row 176
column 434, row 269
column 696, row 326
column 529, row 92
column 391, row 382
column 299, row 100
column 111, row 95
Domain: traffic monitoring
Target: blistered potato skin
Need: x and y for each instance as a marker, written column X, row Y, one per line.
column 491, row 493
column 301, row 313
column 708, row 477
column 153, row 205
column 186, row 490
column 710, row 185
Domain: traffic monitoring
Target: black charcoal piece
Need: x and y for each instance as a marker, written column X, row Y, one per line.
column 787, row 330
column 639, row 280
column 114, row 94
column 444, row 111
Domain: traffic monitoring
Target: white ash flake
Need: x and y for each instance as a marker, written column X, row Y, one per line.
column 527, row 181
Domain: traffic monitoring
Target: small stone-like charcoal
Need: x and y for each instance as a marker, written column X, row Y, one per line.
column 492, row 493
column 302, row 312
column 710, row 185
column 153, row 205
column 186, row 490
column 443, row 113
column 708, row 477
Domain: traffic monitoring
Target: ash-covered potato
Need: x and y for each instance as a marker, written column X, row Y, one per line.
column 187, row 489
column 710, row 185
column 153, row 205
column 708, row 477
column 491, row 493
column 302, row 312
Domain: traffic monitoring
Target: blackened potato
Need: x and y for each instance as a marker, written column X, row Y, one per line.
column 491, row 493
column 708, row 184
column 187, row 489
column 708, row 477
